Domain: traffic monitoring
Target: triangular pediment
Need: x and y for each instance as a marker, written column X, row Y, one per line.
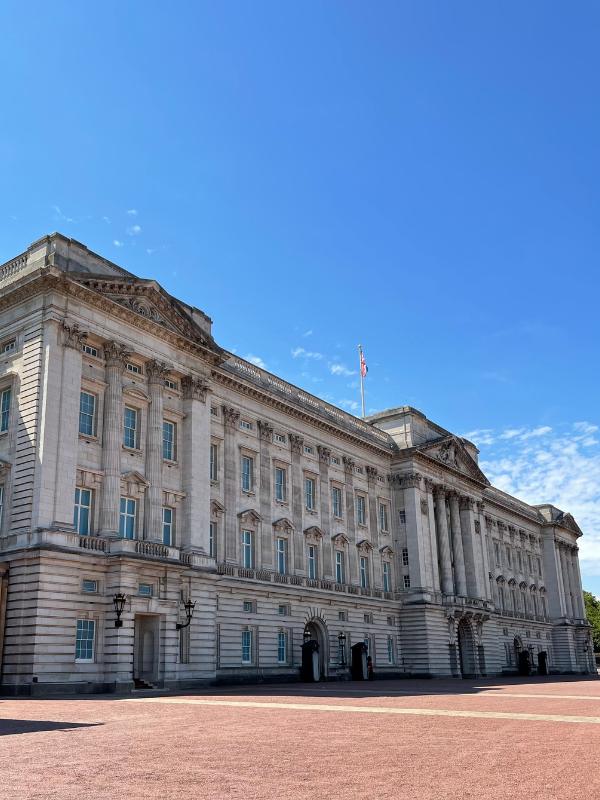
column 314, row 533
column 568, row 521
column 283, row 524
column 148, row 300
column 250, row 516
column 452, row 453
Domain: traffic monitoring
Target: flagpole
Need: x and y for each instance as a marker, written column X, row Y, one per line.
column 362, row 380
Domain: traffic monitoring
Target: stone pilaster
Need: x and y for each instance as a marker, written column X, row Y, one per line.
column 324, row 461
column 352, row 576
column 265, row 433
column 473, row 565
column 416, row 540
column 485, row 550
column 112, row 438
column 443, row 536
column 195, row 455
column 428, row 510
column 460, row 578
column 68, row 425
column 156, row 372
column 231, row 418
column 296, row 445
column 577, row 588
column 374, row 525
column 565, row 581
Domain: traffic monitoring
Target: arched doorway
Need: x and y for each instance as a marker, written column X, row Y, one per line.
column 466, row 649
column 316, row 630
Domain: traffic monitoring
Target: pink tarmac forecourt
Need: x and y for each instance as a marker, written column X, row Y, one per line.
column 424, row 740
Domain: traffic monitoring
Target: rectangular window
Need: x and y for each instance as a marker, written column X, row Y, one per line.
column 279, row 438
column 127, row 518
column 248, row 606
column 309, row 492
column 391, row 621
column 214, row 462
column 402, row 516
column 508, row 556
column 519, row 561
column 135, row 368
column 89, row 350
column 538, row 565
column 390, row 649
column 335, row 460
column 281, row 550
column 342, row 616
column 405, row 557
column 85, row 640
column 8, row 347
column 246, row 647
column 88, row 585
column 497, row 553
column 368, row 619
column 145, row 589
column 212, row 539
column 280, row 484
column 283, row 610
column 311, row 558
column 214, row 411
column 529, row 564
column 407, row 581
column 386, row 577
column 87, row 414
column 364, row 572
column 282, row 647
column 361, row 517
column 383, row 517
column 4, row 409
column 308, row 450
column 247, row 473
column 248, row 549
column 169, row 441
column 130, row 428
column 82, row 511
column 336, row 501
column 339, row 567
column 170, row 384
column 168, row 525
column 245, row 425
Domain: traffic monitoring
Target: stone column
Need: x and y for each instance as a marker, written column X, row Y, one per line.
column 485, row 551
column 428, row 511
column 352, row 573
column 443, row 536
column 265, row 433
column 460, row 577
column 324, row 461
column 573, row 583
column 156, row 372
column 565, row 580
column 68, row 426
column 112, row 438
column 194, row 533
column 416, row 538
column 473, row 566
column 374, row 526
column 578, row 588
column 297, row 537
column 231, row 418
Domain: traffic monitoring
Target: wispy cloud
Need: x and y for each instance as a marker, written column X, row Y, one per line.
column 133, row 212
column 306, row 334
column 559, row 465
column 300, row 352
column 341, row 369
column 256, row 360
column 106, row 219
column 60, row 216
column 117, row 243
column 496, row 376
column 134, row 230
column 349, row 405
column 150, row 250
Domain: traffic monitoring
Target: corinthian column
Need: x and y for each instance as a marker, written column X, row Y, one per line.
column 156, row 372
column 443, row 537
column 324, row 461
column 230, row 471
column 112, row 432
column 265, row 432
column 565, row 580
column 195, row 450
column 473, row 566
column 457, row 546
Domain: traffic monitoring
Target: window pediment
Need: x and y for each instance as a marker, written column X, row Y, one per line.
column 313, row 534
column 283, row 525
column 250, row 516
column 134, row 483
column 340, row 539
column 216, row 507
column 364, row 546
column 386, row 551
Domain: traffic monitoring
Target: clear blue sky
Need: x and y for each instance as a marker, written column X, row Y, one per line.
column 421, row 177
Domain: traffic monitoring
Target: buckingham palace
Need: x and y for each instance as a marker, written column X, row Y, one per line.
column 174, row 516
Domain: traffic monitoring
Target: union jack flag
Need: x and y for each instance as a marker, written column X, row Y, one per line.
column 363, row 365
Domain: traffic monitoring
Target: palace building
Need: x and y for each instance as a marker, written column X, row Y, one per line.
column 172, row 515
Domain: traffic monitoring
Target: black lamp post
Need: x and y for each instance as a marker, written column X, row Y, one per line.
column 342, row 646
column 189, row 613
column 306, row 635
column 119, row 601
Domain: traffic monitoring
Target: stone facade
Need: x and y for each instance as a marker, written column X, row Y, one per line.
column 141, row 461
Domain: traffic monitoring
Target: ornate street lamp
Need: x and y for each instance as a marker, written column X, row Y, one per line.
column 306, row 635
column 342, row 648
column 119, row 601
column 189, row 613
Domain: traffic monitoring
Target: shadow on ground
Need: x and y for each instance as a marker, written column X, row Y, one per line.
column 10, row 727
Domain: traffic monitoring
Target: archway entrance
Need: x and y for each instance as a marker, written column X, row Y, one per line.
column 316, row 630
column 146, row 649
column 466, row 649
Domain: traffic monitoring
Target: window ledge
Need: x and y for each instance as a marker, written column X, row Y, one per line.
column 89, row 438
column 248, row 493
column 134, row 451
column 170, row 463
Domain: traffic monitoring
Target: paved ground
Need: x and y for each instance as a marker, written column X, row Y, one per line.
column 427, row 740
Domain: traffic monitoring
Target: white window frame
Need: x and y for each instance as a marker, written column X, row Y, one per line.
column 214, row 462
column 127, row 515
column 312, row 561
column 5, row 404
column 383, row 517
column 169, row 445
column 78, row 506
column 168, row 524
column 136, row 429
column 280, row 485
column 310, row 493
column 85, row 626
column 247, row 646
column 281, row 554
column 86, row 414
column 340, row 567
column 336, row 491
column 247, row 475
column 363, row 562
column 247, row 546
column 282, row 647
column 212, row 539
column 361, row 509
column 386, row 575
